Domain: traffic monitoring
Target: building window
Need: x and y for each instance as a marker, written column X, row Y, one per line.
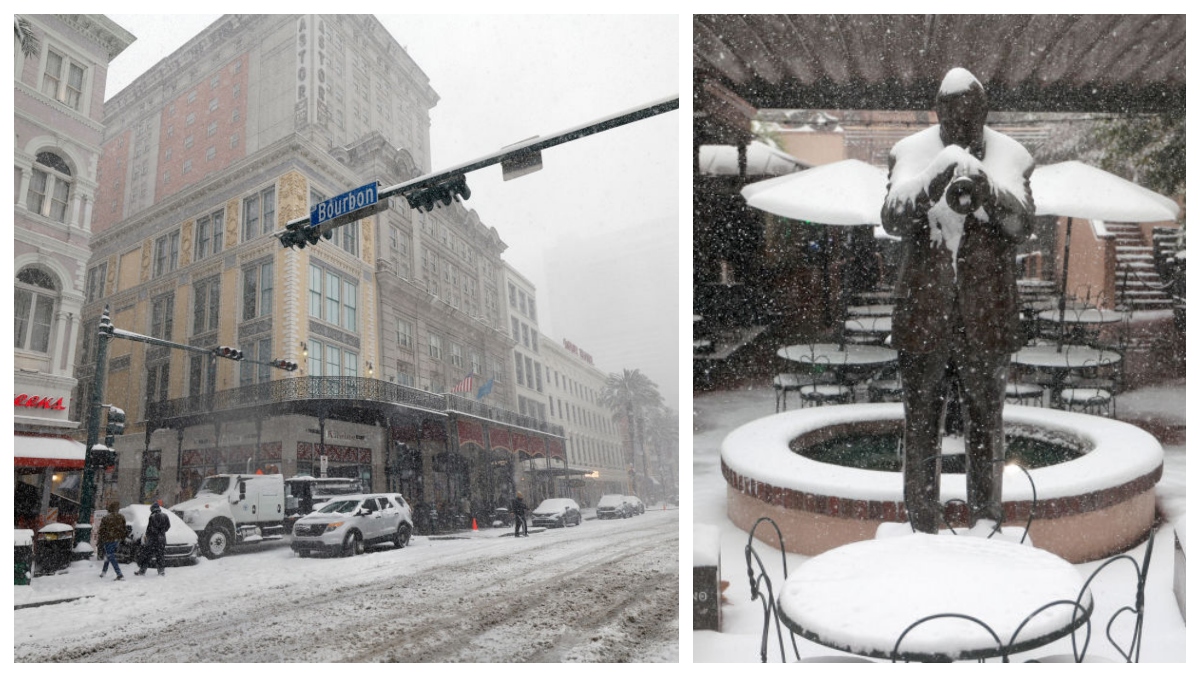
column 34, row 309
column 212, row 105
column 332, row 294
column 315, row 359
column 346, row 237
column 187, row 166
column 206, row 303
column 537, row 372
column 166, row 253
column 50, row 187
column 525, row 334
column 528, row 371
column 210, row 153
column 404, row 373
column 95, row 282
column 349, row 306
column 404, row 334
column 257, row 286
column 314, row 291
column 533, row 340
column 257, row 373
column 516, row 328
column 258, row 214
column 476, row 364
column 190, row 120
column 456, row 354
column 512, row 295
column 333, row 361
column 210, row 234
column 202, row 375
column 162, row 317
column 63, row 79
column 350, row 364
column 524, row 308
column 435, row 346
column 496, row 371
column 157, row 378
column 520, row 369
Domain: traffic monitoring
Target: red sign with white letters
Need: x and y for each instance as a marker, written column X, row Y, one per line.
column 38, row 402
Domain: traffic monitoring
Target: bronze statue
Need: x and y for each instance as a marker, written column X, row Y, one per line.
column 959, row 197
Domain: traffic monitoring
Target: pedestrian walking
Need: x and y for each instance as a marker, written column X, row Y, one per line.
column 155, row 542
column 518, row 510
column 112, row 531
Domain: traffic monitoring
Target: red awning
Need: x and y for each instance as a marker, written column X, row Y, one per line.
column 48, row 451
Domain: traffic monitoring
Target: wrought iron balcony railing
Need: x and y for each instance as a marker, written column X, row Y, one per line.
column 301, row 388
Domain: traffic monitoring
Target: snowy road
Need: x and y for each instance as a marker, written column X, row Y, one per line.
column 603, row 591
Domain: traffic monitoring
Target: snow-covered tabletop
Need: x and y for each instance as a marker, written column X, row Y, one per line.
column 1086, row 316
column 1071, row 357
column 861, row 597
column 850, row 355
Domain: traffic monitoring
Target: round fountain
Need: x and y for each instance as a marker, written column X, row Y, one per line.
column 831, row 475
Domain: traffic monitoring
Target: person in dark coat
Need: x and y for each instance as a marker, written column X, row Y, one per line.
column 110, row 535
column 959, row 198
column 155, row 542
column 518, row 509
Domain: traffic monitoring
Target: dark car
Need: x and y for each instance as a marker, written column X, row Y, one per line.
column 613, row 506
column 636, row 504
column 557, row 512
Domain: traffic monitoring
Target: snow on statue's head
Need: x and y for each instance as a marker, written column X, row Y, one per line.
column 961, row 108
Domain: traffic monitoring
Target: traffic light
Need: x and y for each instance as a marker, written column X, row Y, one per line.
column 228, row 353
column 285, row 365
column 115, row 426
column 425, row 199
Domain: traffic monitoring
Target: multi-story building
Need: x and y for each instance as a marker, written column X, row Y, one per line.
column 573, row 389
column 59, row 111
column 527, row 355
column 208, row 154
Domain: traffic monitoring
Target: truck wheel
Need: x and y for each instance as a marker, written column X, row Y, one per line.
column 215, row 542
column 353, row 545
column 403, row 534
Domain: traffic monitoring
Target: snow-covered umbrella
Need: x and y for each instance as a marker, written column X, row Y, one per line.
column 845, row 193
column 1077, row 190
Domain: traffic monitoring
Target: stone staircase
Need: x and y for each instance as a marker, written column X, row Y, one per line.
column 1139, row 285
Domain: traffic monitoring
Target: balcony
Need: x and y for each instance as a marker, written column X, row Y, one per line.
column 348, row 388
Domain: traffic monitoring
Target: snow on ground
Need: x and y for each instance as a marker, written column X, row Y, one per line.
column 602, row 591
column 715, row 414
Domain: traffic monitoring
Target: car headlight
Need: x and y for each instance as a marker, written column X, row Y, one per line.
column 332, row 526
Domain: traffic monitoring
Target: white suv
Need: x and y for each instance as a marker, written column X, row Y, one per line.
column 347, row 524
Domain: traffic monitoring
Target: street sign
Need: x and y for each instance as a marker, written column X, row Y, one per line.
column 347, row 207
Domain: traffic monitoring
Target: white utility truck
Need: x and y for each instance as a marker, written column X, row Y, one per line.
column 234, row 509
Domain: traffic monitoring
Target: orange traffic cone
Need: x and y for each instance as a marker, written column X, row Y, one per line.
column 474, row 526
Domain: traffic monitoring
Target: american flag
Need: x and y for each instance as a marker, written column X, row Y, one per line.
column 466, row 385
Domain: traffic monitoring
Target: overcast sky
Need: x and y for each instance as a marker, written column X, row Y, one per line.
column 503, row 79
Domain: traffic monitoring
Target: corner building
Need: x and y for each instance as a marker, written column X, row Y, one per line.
column 207, row 155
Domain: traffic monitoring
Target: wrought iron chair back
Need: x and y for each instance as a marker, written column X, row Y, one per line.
column 1077, row 610
column 762, row 590
column 1130, row 649
column 1001, row 647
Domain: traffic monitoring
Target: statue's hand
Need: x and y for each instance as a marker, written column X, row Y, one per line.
column 938, row 185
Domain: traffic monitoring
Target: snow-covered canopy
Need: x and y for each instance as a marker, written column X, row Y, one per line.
column 844, row 193
column 1082, row 191
column 761, row 160
column 35, row 450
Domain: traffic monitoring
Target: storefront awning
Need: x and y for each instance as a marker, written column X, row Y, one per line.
column 47, row 451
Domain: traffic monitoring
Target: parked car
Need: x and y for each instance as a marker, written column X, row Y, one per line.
column 183, row 545
column 613, row 506
column 557, row 512
column 636, row 504
column 347, row 525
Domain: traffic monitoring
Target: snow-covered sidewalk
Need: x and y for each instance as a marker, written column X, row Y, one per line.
column 715, row 414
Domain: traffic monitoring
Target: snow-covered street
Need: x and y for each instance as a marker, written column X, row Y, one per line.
column 602, row 591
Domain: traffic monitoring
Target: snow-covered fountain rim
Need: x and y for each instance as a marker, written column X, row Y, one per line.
column 1115, row 453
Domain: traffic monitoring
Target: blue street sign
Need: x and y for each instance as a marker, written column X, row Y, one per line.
column 346, row 207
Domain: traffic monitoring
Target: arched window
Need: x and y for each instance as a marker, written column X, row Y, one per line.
column 37, row 292
column 50, row 187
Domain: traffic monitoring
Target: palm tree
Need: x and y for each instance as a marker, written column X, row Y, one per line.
column 25, row 36
column 630, row 396
column 662, row 432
